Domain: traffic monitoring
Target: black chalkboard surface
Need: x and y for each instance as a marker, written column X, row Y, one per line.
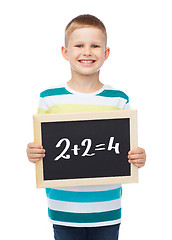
column 86, row 148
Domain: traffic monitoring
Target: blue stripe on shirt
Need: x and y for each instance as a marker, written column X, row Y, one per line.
column 54, row 91
column 84, row 217
column 113, row 93
column 72, row 196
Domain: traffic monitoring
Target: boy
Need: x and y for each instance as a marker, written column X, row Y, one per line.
column 93, row 212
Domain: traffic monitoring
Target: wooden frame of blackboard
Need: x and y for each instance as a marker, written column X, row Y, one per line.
column 61, row 117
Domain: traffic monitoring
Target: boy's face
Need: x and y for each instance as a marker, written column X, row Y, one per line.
column 86, row 50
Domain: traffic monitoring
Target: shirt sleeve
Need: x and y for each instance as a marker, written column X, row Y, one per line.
column 42, row 107
column 127, row 106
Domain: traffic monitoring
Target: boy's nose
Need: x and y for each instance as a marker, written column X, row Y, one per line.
column 87, row 52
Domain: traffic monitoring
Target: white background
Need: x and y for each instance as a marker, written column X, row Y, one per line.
column 140, row 64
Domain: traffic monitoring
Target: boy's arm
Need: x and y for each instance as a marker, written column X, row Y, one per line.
column 137, row 157
column 35, row 151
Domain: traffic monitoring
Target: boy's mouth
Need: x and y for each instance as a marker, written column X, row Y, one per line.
column 87, row 61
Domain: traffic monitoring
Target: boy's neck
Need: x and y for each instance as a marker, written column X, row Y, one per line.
column 85, row 84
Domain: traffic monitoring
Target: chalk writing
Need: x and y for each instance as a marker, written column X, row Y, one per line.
column 87, row 143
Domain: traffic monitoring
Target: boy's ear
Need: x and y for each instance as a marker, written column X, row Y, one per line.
column 64, row 52
column 107, row 52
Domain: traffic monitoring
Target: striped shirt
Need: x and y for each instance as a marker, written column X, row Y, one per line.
column 86, row 206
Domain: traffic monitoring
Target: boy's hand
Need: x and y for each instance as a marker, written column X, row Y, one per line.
column 137, row 157
column 35, row 152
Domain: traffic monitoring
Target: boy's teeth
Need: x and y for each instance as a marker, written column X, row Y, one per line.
column 87, row 61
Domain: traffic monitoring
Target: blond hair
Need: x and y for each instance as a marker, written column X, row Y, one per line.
column 82, row 21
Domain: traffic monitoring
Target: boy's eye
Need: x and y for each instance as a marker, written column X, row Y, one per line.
column 79, row 46
column 95, row 46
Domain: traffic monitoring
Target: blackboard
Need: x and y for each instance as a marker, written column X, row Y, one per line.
column 86, row 148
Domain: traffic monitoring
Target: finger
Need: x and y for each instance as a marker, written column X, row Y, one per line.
column 36, row 156
column 138, row 165
column 137, row 162
column 36, row 151
column 137, row 150
column 35, row 160
column 136, row 156
column 140, row 160
column 34, row 145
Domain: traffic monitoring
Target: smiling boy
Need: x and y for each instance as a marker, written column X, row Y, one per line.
column 93, row 212
column 86, row 51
